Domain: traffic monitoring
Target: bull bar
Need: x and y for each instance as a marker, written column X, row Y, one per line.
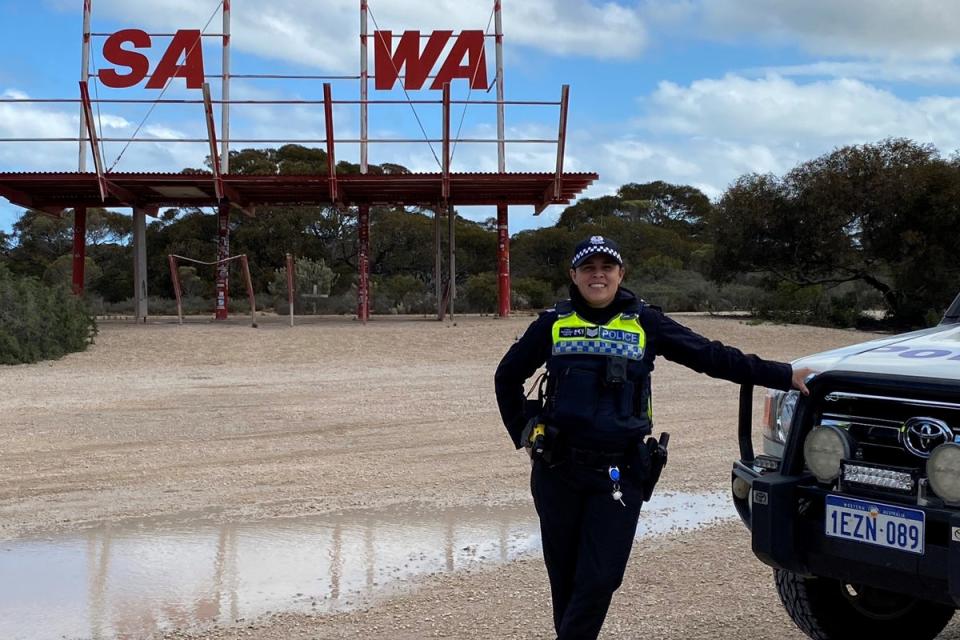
column 785, row 508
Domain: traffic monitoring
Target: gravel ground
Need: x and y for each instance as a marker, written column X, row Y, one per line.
column 229, row 423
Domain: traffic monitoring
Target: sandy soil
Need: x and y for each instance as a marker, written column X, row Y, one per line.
column 232, row 423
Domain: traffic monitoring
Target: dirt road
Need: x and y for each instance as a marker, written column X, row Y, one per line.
column 228, row 424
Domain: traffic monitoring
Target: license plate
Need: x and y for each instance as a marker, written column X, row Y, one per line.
column 884, row 525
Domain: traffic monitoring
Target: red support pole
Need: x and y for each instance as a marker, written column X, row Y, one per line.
column 79, row 248
column 503, row 261
column 223, row 252
column 363, row 263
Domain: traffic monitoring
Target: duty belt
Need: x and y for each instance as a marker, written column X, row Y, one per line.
column 590, row 458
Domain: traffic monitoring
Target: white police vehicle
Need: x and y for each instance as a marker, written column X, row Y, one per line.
column 855, row 501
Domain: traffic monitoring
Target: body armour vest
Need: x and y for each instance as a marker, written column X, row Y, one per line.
column 598, row 382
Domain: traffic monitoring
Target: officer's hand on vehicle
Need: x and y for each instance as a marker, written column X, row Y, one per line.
column 799, row 378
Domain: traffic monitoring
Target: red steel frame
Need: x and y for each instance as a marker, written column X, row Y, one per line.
column 361, row 191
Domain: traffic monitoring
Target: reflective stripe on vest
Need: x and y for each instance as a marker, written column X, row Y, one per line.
column 622, row 336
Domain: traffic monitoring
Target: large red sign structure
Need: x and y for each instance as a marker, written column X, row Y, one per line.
column 185, row 44
column 467, row 59
column 414, row 56
column 388, row 61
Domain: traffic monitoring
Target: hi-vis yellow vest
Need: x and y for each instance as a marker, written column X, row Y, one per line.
column 622, row 336
column 581, row 397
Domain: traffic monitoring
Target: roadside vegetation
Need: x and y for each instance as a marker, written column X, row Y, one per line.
column 871, row 227
column 40, row 321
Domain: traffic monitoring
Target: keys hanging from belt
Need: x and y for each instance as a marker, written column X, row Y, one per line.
column 616, row 494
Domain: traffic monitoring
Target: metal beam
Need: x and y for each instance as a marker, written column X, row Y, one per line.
column 121, row 194
column 84, row 76
column 225, row 89
column 27, row 202
column 561, row 139
column 445, row 190
column 364, row 133
column 212, row 138
column 331, row 145
column 552, row 193
column 94, row 143
column 16, row 197
column 501, row 147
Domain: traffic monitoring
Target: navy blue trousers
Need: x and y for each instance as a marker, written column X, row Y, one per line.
column 587, row 538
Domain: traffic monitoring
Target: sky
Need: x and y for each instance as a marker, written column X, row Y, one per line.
column 694, row 92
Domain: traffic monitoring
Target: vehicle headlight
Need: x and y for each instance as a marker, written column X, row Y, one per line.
column 779, row 410
column 943, row 471
column 788, row 407
column 823, row 450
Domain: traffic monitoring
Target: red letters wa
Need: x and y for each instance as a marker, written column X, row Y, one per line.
column 417, row 65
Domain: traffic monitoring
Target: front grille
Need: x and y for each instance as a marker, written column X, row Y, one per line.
column 876, row 421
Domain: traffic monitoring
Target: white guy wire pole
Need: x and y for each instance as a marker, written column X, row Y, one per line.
column 225, row 91
column 501, row 147
column 363, row 86
column 84, row 77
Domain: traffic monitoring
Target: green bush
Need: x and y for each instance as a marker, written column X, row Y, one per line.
column 841, row 307
column 480, row 293
column 38, row 322
column 531, row 293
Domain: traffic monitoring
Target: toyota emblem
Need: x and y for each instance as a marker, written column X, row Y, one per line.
column 920, row 436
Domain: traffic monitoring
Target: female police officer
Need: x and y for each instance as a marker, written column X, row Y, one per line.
column 599, row 347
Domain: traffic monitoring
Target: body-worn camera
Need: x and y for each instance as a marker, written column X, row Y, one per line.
column 616, row 371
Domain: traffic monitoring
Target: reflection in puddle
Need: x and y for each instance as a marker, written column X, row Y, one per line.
column 127, row 581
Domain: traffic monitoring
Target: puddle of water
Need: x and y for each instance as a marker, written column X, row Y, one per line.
column 128, row 581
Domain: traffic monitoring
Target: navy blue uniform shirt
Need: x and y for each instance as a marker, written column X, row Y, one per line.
column 665, row 337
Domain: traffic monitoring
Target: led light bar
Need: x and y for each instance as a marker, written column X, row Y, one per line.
column 767, row 463
column 878, row 477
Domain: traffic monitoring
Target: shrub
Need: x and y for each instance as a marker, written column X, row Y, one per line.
column 480, row 293
column 39, row 322
column 531, row 293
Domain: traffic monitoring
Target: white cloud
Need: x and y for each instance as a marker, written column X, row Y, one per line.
column 778, row 110
column 712, row 131
column 918, row 73
column 886, row 29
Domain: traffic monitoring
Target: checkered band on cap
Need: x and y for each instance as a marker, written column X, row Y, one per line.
column 591, row 249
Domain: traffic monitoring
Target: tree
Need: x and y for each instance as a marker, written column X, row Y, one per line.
column 681, row 208
column 60, row 273
column 885, row 214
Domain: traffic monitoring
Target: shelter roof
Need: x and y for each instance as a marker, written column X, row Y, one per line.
column 54, row 191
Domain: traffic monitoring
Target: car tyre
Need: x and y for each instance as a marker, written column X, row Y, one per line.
column 828, row 609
